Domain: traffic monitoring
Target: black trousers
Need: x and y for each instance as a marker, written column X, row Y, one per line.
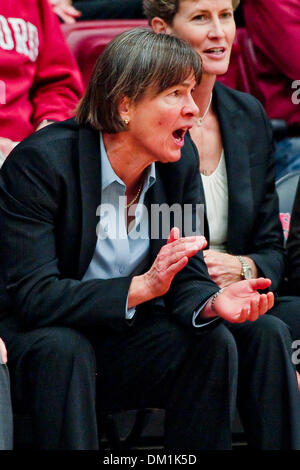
column 268, row 396
column 55, row 372
column 6, row 422
column 287, row 308
column 109, row 9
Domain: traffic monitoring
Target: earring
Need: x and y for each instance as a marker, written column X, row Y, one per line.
column 126, row 121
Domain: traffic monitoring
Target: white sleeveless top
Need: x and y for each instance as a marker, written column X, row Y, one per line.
column 216, row 198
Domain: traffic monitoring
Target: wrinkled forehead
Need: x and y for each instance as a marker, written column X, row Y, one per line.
column 207, row 3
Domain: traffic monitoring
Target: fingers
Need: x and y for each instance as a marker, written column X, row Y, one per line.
column 263, row 304
column 258, row 307
column 177, row 255
column 260, row 283
column 271, row 299
column 255, row 311
column 184, row 242
column 242, row 316
column 174, row 235
column 176, row 267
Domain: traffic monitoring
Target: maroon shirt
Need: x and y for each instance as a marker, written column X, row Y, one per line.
column 274, row 27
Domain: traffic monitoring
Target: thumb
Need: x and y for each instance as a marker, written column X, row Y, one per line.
column 260, row 283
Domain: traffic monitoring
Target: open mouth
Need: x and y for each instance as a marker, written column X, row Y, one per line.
column 178, row 135
column 215, row 50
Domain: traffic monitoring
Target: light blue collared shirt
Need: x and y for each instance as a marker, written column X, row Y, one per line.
column 118, row 253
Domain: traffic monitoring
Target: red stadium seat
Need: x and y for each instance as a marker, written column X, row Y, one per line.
column 88, row 43
column 102, row 24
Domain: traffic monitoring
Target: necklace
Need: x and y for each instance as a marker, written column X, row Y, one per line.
column 201, row 119
column 135, row 197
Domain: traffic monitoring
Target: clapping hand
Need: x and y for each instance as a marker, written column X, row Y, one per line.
column 171, row 259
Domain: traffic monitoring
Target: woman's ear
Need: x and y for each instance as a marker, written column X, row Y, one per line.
column 124, row 108
column 160, row 26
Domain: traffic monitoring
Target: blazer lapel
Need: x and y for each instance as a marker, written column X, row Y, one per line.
column 240, row 201
column 155, row 195
column 90, row 185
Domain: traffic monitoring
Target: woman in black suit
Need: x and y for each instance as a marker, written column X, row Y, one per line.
column 232, row 139
column 82, row 292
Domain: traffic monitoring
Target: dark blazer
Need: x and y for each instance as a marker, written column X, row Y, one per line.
column 254, row 227
column 50, row 188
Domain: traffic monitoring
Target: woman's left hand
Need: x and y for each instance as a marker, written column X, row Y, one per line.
column 225, row 269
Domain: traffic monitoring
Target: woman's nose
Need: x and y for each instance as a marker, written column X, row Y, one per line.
column 216, row 29
column 190, row 107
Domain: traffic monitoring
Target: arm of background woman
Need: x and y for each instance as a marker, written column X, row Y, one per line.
column 266, row 247
column 225, row 269
column 262, row 245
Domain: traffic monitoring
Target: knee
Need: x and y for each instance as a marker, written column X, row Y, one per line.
column 220, row 343
column 269, row 329
column 64, row 346
column 221, row 338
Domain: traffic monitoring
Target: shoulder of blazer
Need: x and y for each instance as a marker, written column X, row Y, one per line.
column 244, row 110
column 234, row 99
column 54, row 145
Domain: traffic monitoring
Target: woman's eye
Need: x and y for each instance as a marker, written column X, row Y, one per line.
column 228, row 14
column 199, row 18
column 175, row 93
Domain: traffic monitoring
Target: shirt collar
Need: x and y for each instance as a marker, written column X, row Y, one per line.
column 108, row 175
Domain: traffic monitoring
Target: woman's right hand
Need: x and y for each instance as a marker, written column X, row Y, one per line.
column 171, row 259
column 6, row 146
column 64, row 9
column 3, row 352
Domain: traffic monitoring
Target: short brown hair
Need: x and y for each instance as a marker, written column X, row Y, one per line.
column 167, row 9
column 135, row 62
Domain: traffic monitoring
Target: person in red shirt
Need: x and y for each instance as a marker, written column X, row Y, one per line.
column 274, row 27
column 39, row 79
